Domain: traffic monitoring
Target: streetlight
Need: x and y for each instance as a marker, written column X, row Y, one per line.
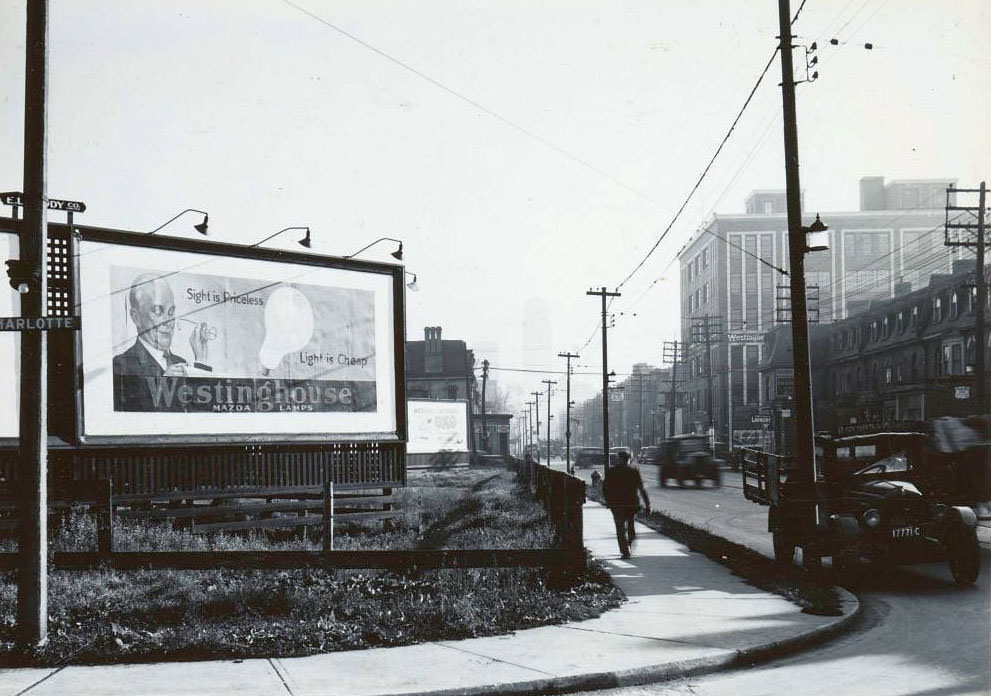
column 201, row 227
column 816, row 238
column 397, row 254
column 412, row 284
column 305, row 241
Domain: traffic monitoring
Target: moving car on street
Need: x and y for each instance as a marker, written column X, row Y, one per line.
column 588, row 457
column 687, row 458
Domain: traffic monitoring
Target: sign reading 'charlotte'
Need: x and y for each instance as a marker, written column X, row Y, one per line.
column 38, row 323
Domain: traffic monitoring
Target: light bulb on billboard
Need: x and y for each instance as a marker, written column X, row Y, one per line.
column 288, row 325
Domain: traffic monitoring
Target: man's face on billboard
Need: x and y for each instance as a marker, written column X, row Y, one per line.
column 153, row 313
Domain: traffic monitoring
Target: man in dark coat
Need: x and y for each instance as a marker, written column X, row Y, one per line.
column 138, row 369
column 620, row 487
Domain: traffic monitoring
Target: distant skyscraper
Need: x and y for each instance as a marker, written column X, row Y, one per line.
column 538, row 333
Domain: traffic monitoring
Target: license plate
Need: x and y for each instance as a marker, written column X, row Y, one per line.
column 910, row 532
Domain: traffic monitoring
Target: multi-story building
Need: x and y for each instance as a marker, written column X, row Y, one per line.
column 911, row 358
column 734, row 286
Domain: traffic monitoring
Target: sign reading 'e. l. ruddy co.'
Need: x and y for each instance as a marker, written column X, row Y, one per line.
column 177, row 342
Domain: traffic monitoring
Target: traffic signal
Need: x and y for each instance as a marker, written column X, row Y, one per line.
column 21, row 275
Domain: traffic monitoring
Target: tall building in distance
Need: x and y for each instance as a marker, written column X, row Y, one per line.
column 734, row 286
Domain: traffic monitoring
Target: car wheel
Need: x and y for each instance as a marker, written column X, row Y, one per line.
column 964, row 556
column 811, row 560
column 784, row 549
column 846, row 563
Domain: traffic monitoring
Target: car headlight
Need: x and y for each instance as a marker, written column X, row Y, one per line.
column 940, row 511
column 871, row 518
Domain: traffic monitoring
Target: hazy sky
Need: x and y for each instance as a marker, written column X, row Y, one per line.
column 524, row 151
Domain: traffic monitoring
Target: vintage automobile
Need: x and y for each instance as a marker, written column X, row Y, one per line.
column 588, row 457
column 687, row 458
column 875, row 499
column 649, row 455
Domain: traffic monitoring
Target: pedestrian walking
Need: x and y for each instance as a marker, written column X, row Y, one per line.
column 620, row 487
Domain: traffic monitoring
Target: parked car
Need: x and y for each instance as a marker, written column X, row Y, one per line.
column 687, row 458
column 882, row 501
column 650, row 455
column 588, row 457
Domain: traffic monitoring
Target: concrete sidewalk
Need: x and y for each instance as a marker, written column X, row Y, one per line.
column 685, row 614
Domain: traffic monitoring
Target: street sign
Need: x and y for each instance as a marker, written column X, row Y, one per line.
column 39, row 323
column 760, row 418
column 786, row 413
column 15, row 198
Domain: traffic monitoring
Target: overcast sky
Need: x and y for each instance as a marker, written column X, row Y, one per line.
column 524, row 151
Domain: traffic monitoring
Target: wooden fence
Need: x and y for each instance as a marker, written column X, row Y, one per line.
column 561, row 495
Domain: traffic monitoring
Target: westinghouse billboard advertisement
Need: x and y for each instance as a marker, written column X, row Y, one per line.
column 181, row 343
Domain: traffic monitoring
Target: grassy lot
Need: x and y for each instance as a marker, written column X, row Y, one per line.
column 109, row 616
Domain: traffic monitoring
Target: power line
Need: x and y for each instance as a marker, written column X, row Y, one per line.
column 478, row 105
column 705, row 171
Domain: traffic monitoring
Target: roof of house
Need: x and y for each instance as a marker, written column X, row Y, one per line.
column 456, row 360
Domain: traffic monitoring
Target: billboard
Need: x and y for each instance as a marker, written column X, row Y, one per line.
column 437, row 426
column 190, row 342
column 10, row 346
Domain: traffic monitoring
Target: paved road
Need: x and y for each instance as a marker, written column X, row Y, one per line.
column 920, row 633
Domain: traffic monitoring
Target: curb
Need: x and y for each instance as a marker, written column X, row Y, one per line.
column 667, row 671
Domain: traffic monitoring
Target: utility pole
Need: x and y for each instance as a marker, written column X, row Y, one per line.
column 485, row 432
column 32, row 576
column 605, row 374
column 673, row 354
column 804, row 446
column 640, row 427
column 567, row 421
column 704, row 328
column 548, row 383
column 529, row 425
column 967, row 240
column 536, row 429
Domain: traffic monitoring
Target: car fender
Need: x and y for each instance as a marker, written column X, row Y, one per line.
column 965, row 516
column 845, row 525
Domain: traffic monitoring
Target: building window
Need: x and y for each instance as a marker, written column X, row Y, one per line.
column 705, row 293
column 705, row 257
column 914, row 321
column 874, row 330
column 768, row 207
column 452, row 391
column 696, row 270
column 900, row 322
column 972, row 300
column 885, row 327
column 954, row 305
column 937, row 309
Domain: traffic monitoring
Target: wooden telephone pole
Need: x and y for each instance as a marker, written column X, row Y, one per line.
column 548, row 383
column 605, row 374
column 973, row 237
column 32, row 577
column 567, row 411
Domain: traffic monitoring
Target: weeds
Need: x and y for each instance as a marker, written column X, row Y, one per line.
column 111, row 616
